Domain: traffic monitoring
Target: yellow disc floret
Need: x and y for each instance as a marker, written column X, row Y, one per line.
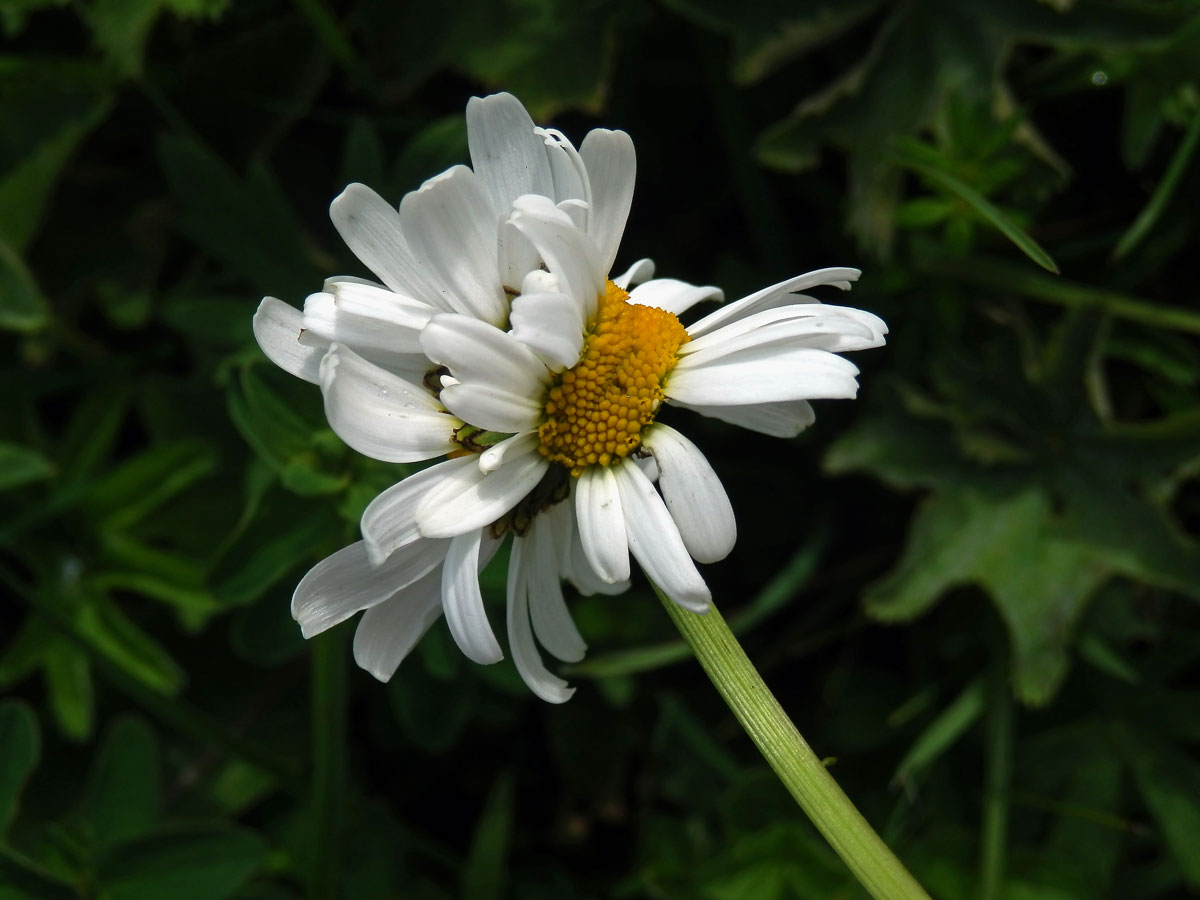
column 596, row 410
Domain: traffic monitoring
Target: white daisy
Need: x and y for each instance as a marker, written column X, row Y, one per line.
column 497, row 340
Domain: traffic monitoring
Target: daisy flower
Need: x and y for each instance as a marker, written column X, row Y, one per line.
column 498, row 341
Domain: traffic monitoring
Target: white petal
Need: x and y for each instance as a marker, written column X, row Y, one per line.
column 477, row 351
column 346, row 582
column 763, row 375
column 493, row 458
column 387, row 632
column 784, row 419
column 539, row 281
column 772, row 296
column 470, row 499
column 861, row 329
column 462, row 601
column 572, row 563
column 279, row 330
column 370, row 226
column 611, row 169
column 518, row 259
column 551, row 325
column 572, row 194
column 490, row 407
column 674, row 296
column 529, row 663
column 451, row 228
column 832, row 333
column 567, row 251
column 332, row 282
column 602, row 523
column 694, row 495
column 380, row 414
column 552, row 622
column 642, row 270
column 506, row 153
column 389, row 521
column 368, row 318
column 655, row 542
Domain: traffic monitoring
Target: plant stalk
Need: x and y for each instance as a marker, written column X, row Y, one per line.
column 804, row 775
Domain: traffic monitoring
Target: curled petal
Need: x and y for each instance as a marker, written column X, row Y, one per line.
column 279, row 330
column 346, row 582
column 462, row 601
column 655, row 542
column 694, row 495
column 551, row 325
column 775, row 295
column 528, row 661
column 552, row 622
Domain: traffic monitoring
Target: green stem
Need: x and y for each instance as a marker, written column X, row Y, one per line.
column 804, row 775
column 997, row 778
column 1018, row 279
column 328, row 749
column 1157, row 204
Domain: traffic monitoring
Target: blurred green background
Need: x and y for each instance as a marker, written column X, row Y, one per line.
column 974, row 589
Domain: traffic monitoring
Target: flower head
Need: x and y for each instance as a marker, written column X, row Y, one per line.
column 498, row 340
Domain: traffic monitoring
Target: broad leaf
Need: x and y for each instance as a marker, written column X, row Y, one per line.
column 123, row 795
column 195, row 863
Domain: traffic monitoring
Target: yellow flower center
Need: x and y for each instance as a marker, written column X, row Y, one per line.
column 596, row 410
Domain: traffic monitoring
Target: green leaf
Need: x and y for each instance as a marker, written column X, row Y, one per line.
column 1004, row 541
column 14, row 13
column 363, row 155
column 22, row 879
column 92, row 431
column 21, row 465
column 112, row 634
column 782, row 860
column 484, row 874
column 120, row 27
column 123, row 797
column 22, row 306
column 26, row 652
column 147, row 481
column 1163, row 192
column 939, row 735
column 265, row 633
column 767, row 34
column 208, row 319
column 245, row 579
column 436, row 147
column 195, row 604
column 245, row 223
column 433, row 713
column 20, row 747
column 25, row 189
column 950, row 182
column 1026, row 282
column 196, row 863
column 513, row 43
column 267, row 421
column 1085, row 843
column 1169, row 783
column 69, row 681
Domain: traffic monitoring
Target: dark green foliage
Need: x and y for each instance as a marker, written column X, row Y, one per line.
column 975, row 590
